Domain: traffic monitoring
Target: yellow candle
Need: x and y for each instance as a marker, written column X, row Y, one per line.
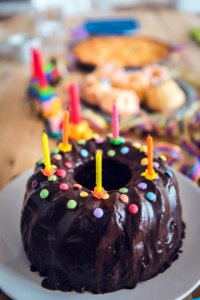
column 150, row 154
column 98, row 171
column 47, row 161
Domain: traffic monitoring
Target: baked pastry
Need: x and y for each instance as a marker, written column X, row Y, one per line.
column 101, row 93
column 156, row 74
column 165, row 96
column 136, row 81
column 127, row 102
column 78, row 242
column 122, row 51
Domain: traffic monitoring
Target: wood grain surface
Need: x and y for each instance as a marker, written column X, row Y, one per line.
column 20, row 142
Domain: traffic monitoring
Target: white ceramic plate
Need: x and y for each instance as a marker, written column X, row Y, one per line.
column 19, row 283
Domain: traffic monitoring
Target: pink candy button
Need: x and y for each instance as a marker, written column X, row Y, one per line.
column 61, row 173
column 63, row 186
column 68, row 164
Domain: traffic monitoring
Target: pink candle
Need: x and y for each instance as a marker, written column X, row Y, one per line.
column 74, row 102
column 115, row 122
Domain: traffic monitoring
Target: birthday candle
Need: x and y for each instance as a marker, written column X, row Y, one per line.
column 65, row 134
column 74, row 100
column 115, row 122
column 98, row 171
column 150, row 154
column 33, row 62
column 38, row 68
column 47, row 161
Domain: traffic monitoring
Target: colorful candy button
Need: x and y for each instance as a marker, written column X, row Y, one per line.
column 40, row 161
column 81, row 142
column 124, row 150
column 61, row 172
column 133, row 208
column 144, row 161
column 77, row 186
column 169, row 173
column 34, row 184
column 143, row 148
column 52, row 178
column 124, row 198
column 68, row 164
column 83, row 194
column 56, row 150
column 156, row 164
column 99, row 140
column 105, row 196
column 84, row 153
column 123, row 190
column 57, row 156
column 71, row 204
column 111, row 153
column 44, row 194
column 142, row 185
column 163, row 157
column 136, row 145
column 151, row 196
column 98, row 213
column 63, row 186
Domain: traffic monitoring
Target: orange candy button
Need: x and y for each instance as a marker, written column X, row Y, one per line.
column 124, row 198
column 77, row 185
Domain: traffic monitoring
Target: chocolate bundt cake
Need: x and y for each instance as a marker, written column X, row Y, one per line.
column 79, row 242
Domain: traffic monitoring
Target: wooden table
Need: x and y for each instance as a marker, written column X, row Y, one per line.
column 20, row 133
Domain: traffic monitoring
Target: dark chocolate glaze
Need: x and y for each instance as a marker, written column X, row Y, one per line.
column 74, row 250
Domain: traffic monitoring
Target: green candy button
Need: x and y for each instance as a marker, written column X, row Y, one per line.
column 44, row 194
column 123, row 190
column 111, row 153
column 40, row 161
column 56, row 150
column 81, row 142
column 71, row 204
column 52, row 178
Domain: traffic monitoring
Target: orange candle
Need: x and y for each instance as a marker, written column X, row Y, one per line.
column 65, row 135
column 150, row 154
column 64, row 146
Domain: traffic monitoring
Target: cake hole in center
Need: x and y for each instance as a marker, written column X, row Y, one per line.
column 114, row 174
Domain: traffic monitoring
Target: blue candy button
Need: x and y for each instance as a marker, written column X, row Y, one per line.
column 151, row 196
column 84, row 153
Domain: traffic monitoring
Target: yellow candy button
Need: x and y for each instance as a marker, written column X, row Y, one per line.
column 83, row 194
column 136, row 145
column 144, row 161
column 162, row 157
column 143, row 148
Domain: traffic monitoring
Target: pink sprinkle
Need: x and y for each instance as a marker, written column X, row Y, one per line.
column 68, row 164
column 63, row 186
column 61, row 173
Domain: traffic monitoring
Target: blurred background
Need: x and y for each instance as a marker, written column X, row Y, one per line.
column 44, row 20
